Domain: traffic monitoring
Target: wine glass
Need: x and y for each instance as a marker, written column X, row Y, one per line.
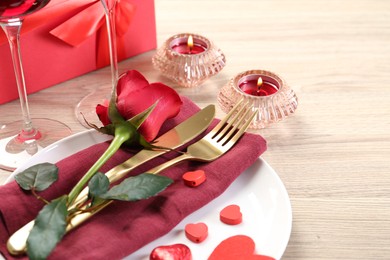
column 86, row 108
column 20, row 140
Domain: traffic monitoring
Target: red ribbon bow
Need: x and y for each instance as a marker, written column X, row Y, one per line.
column 92, row 20
column 88, row 20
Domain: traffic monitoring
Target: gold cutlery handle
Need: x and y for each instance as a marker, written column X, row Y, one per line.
column 174, row 138
column 170, row 163
column 80, row 218
column 16, row 244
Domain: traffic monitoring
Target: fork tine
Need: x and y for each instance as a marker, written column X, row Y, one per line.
column 244, row 127
column 220, row 126
column 229, row 124
column 232, row 124
column 241, row 116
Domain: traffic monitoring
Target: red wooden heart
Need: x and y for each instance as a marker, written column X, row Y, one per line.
column 194, row 178
column 196, row 232
column 174, row 252
column 231, row 215
column 238, row 247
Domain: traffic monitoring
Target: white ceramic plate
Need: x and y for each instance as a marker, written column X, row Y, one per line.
column 262, row 197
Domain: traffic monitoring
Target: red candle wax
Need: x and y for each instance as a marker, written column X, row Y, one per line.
column 182, row 46
column 249, row 85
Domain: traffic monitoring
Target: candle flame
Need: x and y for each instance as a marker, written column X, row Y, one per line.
column 190, row 42
column 259, row 82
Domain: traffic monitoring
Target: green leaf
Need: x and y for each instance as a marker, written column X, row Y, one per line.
column 137, row 120
column 49, row 228
column 39, row 176
column 138, row 187
column 98, row 184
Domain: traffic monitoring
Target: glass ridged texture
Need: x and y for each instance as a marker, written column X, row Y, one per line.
column 189, row 70
column 272, row 108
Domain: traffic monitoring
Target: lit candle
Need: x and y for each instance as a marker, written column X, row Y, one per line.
column 188, row 45
column 262, row 90
column 258, row 85
column 189, row 59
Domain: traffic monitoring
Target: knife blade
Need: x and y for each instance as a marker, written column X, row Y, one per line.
column 177, row 136
column 174, row 138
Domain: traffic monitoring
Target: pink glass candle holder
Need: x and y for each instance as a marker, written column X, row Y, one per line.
column 264, row 90
column 189, row 59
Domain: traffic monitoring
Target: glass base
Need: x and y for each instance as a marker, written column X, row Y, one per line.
column 189, row 70
column 14, row 151
column 86, row 108
column 272, row 107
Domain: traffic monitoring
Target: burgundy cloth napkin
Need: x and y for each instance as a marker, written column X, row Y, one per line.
column 124, row 227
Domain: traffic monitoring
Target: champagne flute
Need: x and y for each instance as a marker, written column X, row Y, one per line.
column 20, row 140
column 86, row 108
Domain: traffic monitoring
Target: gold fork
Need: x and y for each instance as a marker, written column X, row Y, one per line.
column 217, row 142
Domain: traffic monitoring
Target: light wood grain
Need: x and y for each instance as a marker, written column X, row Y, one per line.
column 333, row 153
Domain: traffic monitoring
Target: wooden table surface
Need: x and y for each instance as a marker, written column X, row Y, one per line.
column 333, row 153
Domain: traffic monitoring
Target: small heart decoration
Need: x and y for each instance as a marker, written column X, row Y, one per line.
column 174, row 252
column 238, row 247
column 196, row 232
column 194, row 178
column 231, row 215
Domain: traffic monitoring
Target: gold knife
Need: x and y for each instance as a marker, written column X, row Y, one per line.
column 174, row 138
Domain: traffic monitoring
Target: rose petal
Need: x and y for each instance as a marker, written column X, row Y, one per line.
column 102, row 112
column 131, row 81
column 135, row 95
column 168, row 106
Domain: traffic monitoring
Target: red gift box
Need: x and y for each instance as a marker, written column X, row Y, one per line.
column 68, row 38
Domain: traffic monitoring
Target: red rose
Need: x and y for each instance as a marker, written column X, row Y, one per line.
column 135, row 95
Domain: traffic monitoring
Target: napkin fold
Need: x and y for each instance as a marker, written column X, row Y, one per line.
column 124, row 227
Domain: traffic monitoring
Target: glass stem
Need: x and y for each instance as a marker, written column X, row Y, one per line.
column 12, row 31
column 109, row 9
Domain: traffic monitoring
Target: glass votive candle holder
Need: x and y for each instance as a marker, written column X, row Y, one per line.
column 263, row 90
column 189, row 59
